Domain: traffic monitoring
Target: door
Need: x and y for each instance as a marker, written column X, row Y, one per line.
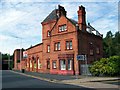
column 84, row 69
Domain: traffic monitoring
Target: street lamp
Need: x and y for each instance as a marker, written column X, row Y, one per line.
column 20, row 52
column 20, row 48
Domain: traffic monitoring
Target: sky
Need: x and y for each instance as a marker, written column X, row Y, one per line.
column 20, row 20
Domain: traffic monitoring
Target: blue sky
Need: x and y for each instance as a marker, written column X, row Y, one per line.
column 20, row 20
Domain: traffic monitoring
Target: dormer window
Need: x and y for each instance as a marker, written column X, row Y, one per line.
column 48, row 33
column 62, row 28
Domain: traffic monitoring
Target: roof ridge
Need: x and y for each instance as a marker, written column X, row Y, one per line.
column 51, row 16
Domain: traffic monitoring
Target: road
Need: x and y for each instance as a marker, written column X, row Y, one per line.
column 14, row 80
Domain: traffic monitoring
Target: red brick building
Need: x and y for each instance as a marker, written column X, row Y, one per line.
column 63, row 39
column 18, row 55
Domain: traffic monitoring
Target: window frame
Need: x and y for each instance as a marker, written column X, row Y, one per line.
column 69, row 45
column 64, row 64
column 57, row 46
column 55, row 64
column 39, row 63
column 69, row 64
column 62, row 28
column 48, row 64
column 98, row 50
column 91, row 53
column 48, row 48
column 48, row 33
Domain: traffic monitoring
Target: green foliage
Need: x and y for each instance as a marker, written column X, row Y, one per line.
column 111, row 44
column 6, row 56
column 106, row 67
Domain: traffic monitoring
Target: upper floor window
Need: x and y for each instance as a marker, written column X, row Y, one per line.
column 62, row 28
column 97, row 50
column 91, row 51
column 57, row 46
column 48, row 48
column 69, row 45
column 48, row 33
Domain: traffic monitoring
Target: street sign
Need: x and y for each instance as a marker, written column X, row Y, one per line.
column 25, row 54
column 80, row 57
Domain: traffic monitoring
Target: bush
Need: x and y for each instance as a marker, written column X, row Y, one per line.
column 106, row 67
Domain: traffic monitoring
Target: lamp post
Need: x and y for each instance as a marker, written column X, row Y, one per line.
column 20, row 48
column 20, row 52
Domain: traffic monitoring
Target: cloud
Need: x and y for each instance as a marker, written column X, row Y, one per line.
column 10, row 16
column 62, row 0
column 23, row 19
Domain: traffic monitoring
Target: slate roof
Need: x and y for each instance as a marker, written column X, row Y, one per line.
column 51, row 16
column 72, row 21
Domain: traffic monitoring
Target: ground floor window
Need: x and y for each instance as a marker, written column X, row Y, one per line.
column 54, row 65
column 34, row 63
column 66, row 64
column 31, row 63
column 48, row 64
column 62, row 65
column 39, row 64
column 27, row 63
column 69, row 64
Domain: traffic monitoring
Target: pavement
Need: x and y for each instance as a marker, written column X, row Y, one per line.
column 85, row 81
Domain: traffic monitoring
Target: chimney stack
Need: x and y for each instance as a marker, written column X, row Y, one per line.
column 61, row 11
column 81, row 18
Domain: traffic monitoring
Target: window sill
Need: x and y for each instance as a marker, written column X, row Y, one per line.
column 54, row 68
column 61, row 31
column 57, row 50
column 98, row 53
column 92, row 55
column 68, row 49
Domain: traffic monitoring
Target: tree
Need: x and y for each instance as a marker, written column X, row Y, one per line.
column 7, row 57
column 116, row 43
column 111, row 44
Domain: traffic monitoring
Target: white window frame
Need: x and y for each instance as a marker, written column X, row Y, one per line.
column 54, row 65
column 55, row 46
column 62, row 28
column 62, row 65
column 58, row 45
column 70, row 44
column 67, row 45
column 48, row 48
column 48, row 33
column 39, row 64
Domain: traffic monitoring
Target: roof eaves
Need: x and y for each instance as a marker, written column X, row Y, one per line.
column 34, row 46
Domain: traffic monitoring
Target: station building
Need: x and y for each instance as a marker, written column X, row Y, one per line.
column 64, row 43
